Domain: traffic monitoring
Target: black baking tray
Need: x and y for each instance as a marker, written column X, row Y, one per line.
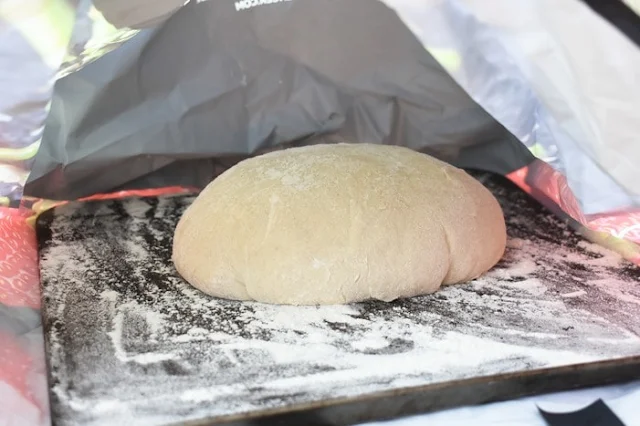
column 125, row 334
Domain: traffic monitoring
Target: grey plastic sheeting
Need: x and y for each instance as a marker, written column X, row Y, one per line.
column 177, row 104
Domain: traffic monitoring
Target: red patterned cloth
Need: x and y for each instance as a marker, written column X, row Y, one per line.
column 19, row 283
column 19, row 288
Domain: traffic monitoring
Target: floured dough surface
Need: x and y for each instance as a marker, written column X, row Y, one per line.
column 338, row 223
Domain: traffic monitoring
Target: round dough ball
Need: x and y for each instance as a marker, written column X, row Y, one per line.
column 338, row 223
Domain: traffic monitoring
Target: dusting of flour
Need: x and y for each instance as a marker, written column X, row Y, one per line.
column 128, row 338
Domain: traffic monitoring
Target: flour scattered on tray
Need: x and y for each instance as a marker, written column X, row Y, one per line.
column 127, row 337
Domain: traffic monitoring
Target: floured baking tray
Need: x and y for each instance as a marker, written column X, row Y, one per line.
column 127, row 338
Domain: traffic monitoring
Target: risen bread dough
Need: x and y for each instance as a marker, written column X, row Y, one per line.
column 338, row 223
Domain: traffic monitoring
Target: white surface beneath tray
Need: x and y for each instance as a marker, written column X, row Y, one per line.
column 624, row 401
